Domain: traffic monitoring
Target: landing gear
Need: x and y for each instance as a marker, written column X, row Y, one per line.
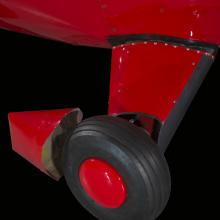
column 115, row 170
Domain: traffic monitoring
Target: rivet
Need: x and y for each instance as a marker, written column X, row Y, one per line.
column 114, row 29
column 104, row 6
column 132, row 121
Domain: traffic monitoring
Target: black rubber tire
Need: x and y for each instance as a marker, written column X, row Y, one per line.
column 133, row 154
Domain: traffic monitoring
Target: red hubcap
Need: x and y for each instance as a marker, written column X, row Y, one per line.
column 102, row 183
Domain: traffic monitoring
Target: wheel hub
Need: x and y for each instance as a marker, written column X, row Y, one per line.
column 102, row 183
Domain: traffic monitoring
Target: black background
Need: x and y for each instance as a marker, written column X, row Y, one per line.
column 42, row 74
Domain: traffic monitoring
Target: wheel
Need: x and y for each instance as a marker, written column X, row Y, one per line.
column 115, row 170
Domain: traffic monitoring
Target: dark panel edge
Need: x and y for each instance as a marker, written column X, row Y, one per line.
column 123, row 39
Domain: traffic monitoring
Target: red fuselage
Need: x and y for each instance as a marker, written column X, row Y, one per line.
column 89, row 22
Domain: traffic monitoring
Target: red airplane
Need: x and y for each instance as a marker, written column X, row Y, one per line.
column 161, row 52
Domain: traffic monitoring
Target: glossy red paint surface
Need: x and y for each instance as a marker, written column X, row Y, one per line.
column 150, row 77
column 90, row 22
column 30, row 130
column 102, row 183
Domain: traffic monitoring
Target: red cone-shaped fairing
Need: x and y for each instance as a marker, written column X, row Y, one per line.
column 31, row 130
